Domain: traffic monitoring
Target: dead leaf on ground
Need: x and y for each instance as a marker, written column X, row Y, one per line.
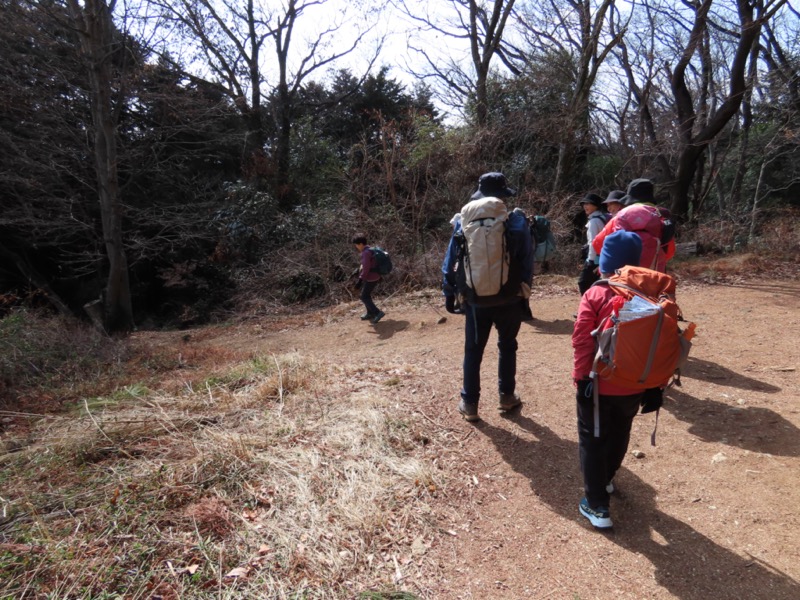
column 238, row 572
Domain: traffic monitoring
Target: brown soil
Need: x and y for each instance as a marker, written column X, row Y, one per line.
column 712, row 511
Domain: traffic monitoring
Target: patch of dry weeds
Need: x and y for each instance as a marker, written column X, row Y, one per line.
column 270, row 478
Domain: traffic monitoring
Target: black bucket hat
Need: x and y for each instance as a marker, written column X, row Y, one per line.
column 592, row 199
column 639, row 190
column 493, row 185
column 614, row 196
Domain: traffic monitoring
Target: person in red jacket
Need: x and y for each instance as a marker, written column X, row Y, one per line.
column 603, row 428
column 642, row 216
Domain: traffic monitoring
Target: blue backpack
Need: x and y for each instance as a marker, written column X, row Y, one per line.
column 543, row 238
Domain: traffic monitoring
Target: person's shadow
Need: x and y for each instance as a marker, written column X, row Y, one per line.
column 717, row 374
column 386, row 328
column 556, row 327
column 749, row 427
column 687, row 564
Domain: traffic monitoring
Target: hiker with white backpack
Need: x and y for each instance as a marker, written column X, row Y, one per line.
column 487, row 271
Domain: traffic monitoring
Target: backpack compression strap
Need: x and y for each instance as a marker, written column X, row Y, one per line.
column 651, row 354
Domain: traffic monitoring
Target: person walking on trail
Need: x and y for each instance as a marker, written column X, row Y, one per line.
column 613, row 202
column 487, row 271
column 653, row 223
column 601, row 452
column 596, row 220
column 368, row 279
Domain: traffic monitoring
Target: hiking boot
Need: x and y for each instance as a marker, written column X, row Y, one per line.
column 468, row 411
column 378, row 317
column 509, row 401
column 366, row 317
column 599, row 517
column 610, row 487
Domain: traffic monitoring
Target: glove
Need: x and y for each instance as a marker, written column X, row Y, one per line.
column 450, row 304
column 591, row 264
column 584, row 390
column 652, row 399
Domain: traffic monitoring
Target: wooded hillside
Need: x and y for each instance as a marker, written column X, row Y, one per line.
column 166, row 161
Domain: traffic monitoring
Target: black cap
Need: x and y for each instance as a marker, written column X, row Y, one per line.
column 614, row 196
column 639, row 190
column 493, row 185
column 592, row 199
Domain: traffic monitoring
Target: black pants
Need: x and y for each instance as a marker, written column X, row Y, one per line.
column 477, row 327
column 602, row 456
column 366, row 297
column 587, row 277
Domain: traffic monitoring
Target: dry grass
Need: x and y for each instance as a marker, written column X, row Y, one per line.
column 52, row 353
column 270, row 479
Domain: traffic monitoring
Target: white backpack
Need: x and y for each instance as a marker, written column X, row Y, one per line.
column 486, row 259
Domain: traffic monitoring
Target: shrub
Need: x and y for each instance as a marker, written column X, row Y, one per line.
column 38, row 348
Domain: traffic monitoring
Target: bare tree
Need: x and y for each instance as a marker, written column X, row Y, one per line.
column 579, row 29
column 227, row 38
column 701, row 109
column 230, row 38
column 93, row 22
column 480, row 26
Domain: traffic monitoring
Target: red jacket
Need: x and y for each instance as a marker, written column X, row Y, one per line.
column 654, row 255
column 594, row 308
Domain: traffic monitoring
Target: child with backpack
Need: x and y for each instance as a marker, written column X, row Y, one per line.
column 603, row 427
column 368, row 278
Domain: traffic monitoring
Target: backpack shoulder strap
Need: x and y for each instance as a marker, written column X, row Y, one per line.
column 602, row 216
column 630, row 289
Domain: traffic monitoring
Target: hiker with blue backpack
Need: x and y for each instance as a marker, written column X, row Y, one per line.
column 368, row 278
column 487, row 272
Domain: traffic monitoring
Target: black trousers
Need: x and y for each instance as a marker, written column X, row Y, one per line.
column 477, row 327
column 601, row 457
column 366, row 297
column 587, row 277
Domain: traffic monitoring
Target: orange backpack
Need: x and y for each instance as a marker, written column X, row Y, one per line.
column 640, row 345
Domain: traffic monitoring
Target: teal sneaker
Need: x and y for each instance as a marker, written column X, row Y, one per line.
column 599, row 517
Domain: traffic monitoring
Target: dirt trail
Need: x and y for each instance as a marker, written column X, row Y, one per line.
column 710, row 512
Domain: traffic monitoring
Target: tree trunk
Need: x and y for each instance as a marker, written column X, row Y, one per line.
column 747, row 120
column 283, row 147
column 681, row 187
column 95, row 26
column 481, row 101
